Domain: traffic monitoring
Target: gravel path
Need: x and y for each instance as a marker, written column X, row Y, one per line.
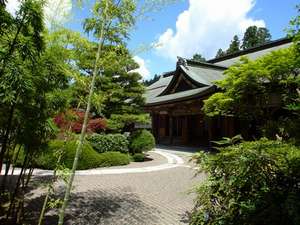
column 151, row 198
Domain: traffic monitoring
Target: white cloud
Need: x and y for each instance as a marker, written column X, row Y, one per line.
column 12, row 6
column 143, row 70
column 56, row 11
column 206, row 26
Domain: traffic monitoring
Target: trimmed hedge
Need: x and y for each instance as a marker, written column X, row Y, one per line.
column 141, row 141
column 89, row 158
column 253, row 183
column 109, row 143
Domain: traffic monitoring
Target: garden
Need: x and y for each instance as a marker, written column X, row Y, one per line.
column 67, row 101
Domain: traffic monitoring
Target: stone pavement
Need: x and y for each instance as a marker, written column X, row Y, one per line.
column 151, row 198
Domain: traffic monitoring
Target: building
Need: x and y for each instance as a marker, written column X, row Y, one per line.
column 176, row 99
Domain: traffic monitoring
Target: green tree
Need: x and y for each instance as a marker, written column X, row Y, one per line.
column 118, row 91
column 220, row 53
column 33, row 71
column 255, row 36
column 198, row 57
column 246, row 93
column 151, row 81
column 234, row 45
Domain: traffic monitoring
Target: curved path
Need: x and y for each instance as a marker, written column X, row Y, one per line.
column 151, row 195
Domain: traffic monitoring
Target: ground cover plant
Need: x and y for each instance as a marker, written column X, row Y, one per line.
column 253, row 183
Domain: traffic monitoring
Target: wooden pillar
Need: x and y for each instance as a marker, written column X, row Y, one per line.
column 171, row 128
column 185, row 130
column 157, row 128
column 153, row 123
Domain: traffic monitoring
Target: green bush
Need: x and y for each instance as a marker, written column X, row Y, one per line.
column 109, row 143
column 139, row 157
column 89, row 158
column 253, row 183
column 141, row 141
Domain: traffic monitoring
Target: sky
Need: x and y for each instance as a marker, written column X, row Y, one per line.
column 185, row 27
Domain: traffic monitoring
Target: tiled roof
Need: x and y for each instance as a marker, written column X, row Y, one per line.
column 202, row 74
column 178, row 96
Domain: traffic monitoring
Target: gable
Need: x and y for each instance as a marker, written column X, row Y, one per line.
column 180, row 82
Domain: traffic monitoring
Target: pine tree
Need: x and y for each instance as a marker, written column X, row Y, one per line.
column 234, row 45
column 220, row 53
column 255, row 36
column 198, row 57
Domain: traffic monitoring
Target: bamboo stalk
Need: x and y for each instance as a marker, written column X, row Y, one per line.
column 83, row 130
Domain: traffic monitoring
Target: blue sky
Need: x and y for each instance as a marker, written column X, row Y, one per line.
column 186, row 27
column 275, row 14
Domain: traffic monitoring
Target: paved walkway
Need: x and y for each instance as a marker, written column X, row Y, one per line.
column 156, row 197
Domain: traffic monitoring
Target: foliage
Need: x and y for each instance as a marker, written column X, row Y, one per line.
column 89, row 158
column 198, row 57
column 234, row 45
column 74, row 119
column 251, row 183
column 255, row 36
column 220, row 53
column 226, row 141
column 151, row 81
column 141, row 141
column 122, row 123
column 118, row 90
column 217, row 104
column 139, row 157
column 252, row 88
column 109, row 143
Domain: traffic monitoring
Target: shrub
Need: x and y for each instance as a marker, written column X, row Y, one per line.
column 89, row 158
column 109, row 143
column 139, row 157
column 250, row 183
column 74, row 119
column 141, row 141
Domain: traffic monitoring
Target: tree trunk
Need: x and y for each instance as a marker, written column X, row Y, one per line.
column 6, row 136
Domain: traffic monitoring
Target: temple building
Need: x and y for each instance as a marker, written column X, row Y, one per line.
column 175, row 101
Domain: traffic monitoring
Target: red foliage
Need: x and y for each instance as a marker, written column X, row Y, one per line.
column 97, row 125
column 74, row 119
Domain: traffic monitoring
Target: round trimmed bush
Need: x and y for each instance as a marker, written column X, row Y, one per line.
column 89, row 158
column 142, row 141
column 109, row 143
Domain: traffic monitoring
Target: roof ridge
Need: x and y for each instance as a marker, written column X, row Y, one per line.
column 204, row 64
column 264, row 46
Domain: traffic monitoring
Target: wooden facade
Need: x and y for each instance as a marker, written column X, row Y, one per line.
column 184, row 123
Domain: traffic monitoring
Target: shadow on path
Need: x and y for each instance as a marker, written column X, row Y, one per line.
column 97, row 207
